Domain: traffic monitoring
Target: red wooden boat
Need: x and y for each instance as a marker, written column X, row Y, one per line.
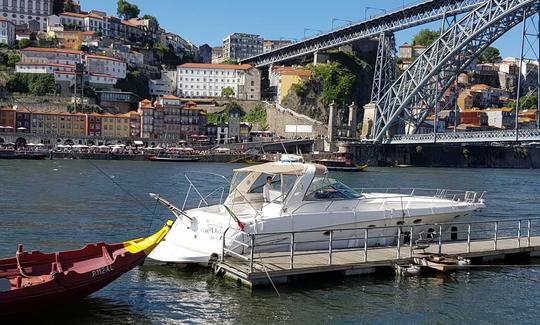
column 34, row 281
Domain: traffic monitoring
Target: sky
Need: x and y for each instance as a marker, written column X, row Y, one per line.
column 209, row 21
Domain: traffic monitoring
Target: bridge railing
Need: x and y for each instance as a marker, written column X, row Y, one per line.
column 478, row 136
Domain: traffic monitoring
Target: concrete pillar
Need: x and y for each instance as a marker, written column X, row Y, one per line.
column 369, row 121
column 352, row 120
column 320, row 58
column 331, row 121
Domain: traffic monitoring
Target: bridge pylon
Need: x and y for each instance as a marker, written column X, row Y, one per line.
column 385, row 66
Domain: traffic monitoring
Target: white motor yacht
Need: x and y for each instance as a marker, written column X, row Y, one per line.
column 303, row 198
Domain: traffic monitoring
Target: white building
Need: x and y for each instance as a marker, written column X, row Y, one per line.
column 177, row 43
column 7, row 32
column 209, row 80
column 106, row 66
column 33, row 13
column 238, row 46
column 166, row 85
column 102, row 71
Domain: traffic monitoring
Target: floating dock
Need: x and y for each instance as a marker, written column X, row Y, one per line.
column 263, row 269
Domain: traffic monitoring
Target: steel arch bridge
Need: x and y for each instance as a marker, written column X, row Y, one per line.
column 411, row 96
column 415, row 15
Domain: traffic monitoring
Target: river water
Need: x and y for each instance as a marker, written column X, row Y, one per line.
column 64, row 204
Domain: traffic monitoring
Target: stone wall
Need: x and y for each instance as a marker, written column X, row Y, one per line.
column 278, row 118
column 447, row 155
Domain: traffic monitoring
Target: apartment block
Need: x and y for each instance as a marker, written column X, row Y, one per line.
column 238, row 46
column 209, row 80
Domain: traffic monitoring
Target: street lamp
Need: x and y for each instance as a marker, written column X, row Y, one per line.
column 313, row 30
column 343, row 20
column 372, row 8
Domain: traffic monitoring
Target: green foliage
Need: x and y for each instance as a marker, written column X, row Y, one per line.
column 135, row 82
column 227, row 92
column 214, row 118
column 229, row 61
column 525, row 103
column 127, row 10
column 69, row 6
column 256, row 115
column 223, row 116
column 23, row 43
column 34, row 84
column 489, row 55
column 9, row 59
column 298, row 89
column 425, row 37
column 151, row 18
column 338, row 81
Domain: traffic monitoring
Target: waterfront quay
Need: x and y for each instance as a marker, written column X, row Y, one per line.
column 483, row 242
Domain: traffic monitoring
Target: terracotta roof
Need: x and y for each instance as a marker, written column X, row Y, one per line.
column 102, row 57
column 85, row 15
column 43, row 49
column 216, row 66
column 46, row 64
column 171, row 97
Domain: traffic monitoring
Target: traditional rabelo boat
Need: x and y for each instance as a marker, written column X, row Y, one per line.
column 33, row 281
column 343, row 163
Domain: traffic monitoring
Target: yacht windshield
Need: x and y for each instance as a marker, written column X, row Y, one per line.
column 323, row 188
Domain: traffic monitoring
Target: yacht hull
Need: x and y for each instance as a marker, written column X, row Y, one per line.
column 200, row 245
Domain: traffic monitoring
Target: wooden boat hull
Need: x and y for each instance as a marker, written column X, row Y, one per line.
column 39, row 281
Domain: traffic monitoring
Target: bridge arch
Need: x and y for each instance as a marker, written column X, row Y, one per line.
column 418, row 88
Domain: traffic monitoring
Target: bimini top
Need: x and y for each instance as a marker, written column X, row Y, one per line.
column 283, row 168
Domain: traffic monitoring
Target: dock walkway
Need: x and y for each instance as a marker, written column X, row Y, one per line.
column 262, row 269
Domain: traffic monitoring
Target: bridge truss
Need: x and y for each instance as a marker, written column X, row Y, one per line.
column 411, row 97
column 419, row 14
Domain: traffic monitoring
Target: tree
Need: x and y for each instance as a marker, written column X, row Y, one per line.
column 23, row 43
column 12, row 59
column 41, row 84
column 525, row 103
column 135, row 82
column 153, row 19
column 69, row 6
column 227, row 92
column 489, row 55
column 35, row 84
column 127, row 10
column 229, row 61
column 425, row 37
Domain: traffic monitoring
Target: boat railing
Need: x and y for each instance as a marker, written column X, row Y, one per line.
column 291, row 246
column 205, row 199
column 230, row 245
column 454, row 195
